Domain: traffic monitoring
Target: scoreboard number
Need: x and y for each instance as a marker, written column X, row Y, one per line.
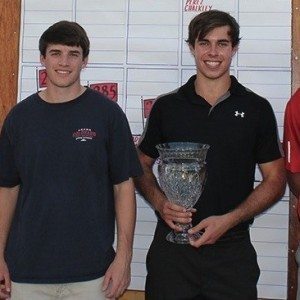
column 109, row 89
column 136, row 138
column 42, row 78
column 147, row 106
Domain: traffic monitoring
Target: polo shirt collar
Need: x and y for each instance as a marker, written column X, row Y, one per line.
column 187, row 91
column 236, row 88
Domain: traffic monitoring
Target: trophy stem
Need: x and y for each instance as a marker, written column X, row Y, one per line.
column 182, row 237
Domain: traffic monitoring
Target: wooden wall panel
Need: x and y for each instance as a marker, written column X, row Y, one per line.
column 296, row 45
column 9, row 54
column 294, row 225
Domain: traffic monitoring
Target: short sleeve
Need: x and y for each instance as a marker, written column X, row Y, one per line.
column 291, row 136
column 268, row 146
column 152, row 133
column 9, row 176
column 123, row 159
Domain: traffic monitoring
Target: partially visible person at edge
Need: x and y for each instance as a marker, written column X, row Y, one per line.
column 67, row 160
column 291, row 142
column 240, row 127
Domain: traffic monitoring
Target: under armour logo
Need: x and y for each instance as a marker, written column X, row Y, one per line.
column 241, row 114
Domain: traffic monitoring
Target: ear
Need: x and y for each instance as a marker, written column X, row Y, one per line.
column 84, row 63
column 192, row 49
column 42, row 60
column 234, row 50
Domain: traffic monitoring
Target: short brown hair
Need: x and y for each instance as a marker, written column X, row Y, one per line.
column 204, row 22
column 65, row 33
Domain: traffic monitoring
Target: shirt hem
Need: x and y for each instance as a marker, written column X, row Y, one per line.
column 57, row 281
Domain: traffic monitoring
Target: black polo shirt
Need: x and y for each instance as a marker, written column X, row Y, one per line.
column 240, row 129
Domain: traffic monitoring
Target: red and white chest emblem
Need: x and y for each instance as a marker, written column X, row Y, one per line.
column 84, row 134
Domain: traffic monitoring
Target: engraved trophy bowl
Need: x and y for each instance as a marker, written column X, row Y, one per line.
column 182, row 174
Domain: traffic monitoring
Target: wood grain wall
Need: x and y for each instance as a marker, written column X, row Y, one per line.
column 9, row 54
column 296, row 45
column 294, row 225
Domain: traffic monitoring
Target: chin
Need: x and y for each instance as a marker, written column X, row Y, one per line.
column 214, row 76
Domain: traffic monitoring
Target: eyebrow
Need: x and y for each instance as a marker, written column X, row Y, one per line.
column 75, row 52
column 221, row 40
column 54, row 50
column 71, row 51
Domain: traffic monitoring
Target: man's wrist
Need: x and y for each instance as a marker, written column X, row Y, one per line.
column 1, row 253
column 124, row 254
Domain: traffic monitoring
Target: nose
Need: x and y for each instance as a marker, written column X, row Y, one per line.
column 64, row 60
column 213, row 50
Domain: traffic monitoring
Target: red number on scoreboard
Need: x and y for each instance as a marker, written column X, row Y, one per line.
column 147, row 106
column 136, row 138
column 109, row 89
column 42, row 78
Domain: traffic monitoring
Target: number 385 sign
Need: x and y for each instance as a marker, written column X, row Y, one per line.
column 109, row 89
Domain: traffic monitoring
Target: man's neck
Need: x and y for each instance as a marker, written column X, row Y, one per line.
column 60, row 95
column 212, row 89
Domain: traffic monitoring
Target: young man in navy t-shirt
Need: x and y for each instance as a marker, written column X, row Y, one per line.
column 67, row 160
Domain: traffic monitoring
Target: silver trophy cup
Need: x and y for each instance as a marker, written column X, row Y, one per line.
column 182, row 174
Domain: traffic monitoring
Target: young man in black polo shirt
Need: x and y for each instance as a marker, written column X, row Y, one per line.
column 240, row 127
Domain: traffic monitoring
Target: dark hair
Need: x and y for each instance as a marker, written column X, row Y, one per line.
column 65, row 33
column 203, row 23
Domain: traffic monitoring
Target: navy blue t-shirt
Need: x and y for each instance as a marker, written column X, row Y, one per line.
column 66, row 157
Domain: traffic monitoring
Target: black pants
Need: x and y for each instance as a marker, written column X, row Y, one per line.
column 227, row 270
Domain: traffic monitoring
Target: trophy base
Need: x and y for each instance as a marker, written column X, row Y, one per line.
column 182, row 237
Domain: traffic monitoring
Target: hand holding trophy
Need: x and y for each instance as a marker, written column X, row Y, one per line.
column 182, row 173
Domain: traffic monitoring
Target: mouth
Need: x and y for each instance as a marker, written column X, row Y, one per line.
column 212, row 64
column 63, row 72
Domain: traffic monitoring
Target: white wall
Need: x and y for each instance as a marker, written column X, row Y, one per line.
column 139, row 44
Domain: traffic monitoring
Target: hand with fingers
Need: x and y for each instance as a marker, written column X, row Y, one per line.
column 174, row 214
column 117, row 278
column 5, row 283
column 212, row 227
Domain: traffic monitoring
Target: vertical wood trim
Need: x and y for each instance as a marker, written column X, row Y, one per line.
column 294, row 230
column 294, row 225
column 10, row 11
column 295, row 45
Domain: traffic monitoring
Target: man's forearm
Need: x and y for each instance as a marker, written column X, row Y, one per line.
column 125, row 207
column 149, row 188
column 147, row 184
column 264, row 195
column 8, row 200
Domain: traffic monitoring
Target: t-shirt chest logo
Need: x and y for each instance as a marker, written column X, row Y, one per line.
column 84, row 134
column 239, row 114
